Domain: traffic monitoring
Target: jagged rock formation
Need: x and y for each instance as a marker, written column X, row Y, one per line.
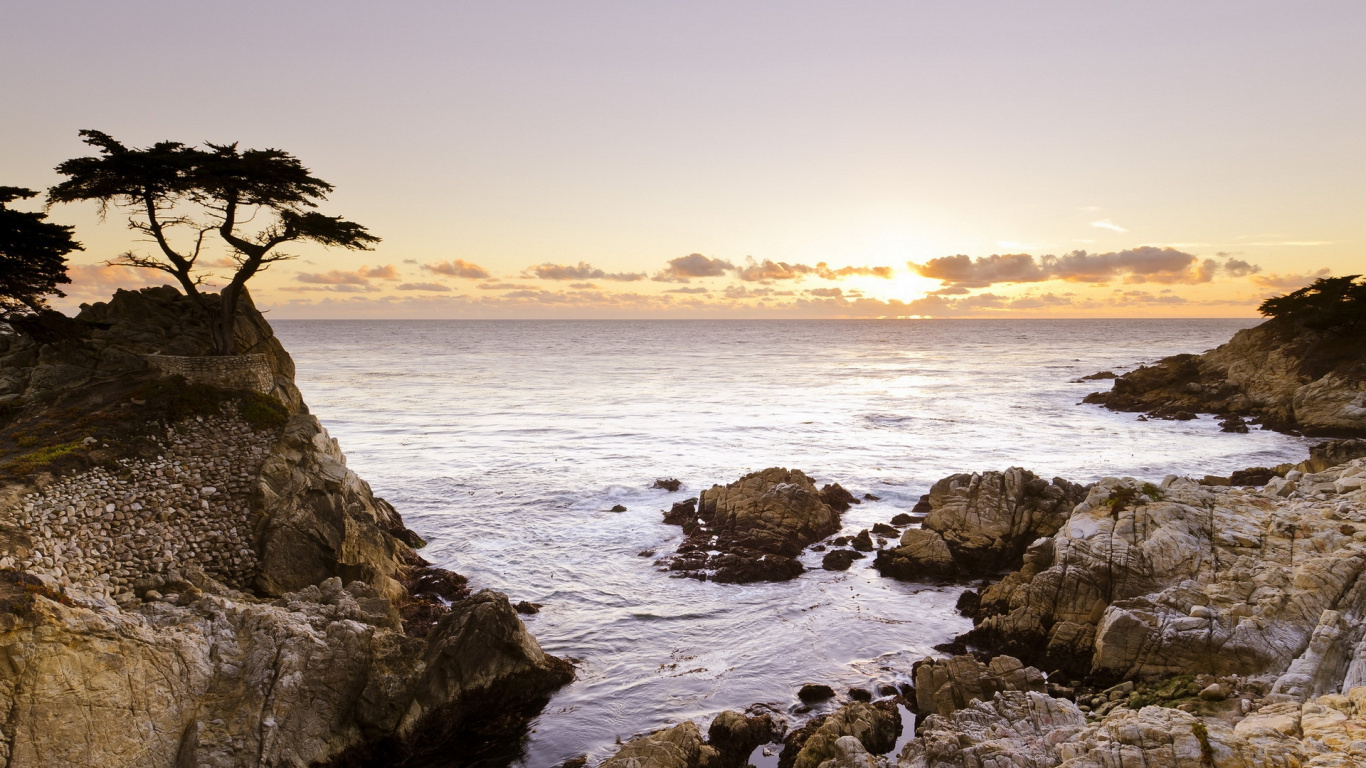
column 756, row 525
column 1287, row 377
column 979, row 523
column 202, row 581
column 945, row 685
column 1144, row 582
column 875, row 726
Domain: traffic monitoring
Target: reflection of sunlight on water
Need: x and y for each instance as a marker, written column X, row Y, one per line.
column 506, row 443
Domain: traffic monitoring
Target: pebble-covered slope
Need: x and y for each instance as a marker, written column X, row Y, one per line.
column 104, row 531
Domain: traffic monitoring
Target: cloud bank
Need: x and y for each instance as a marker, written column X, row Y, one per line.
column 1146, row 264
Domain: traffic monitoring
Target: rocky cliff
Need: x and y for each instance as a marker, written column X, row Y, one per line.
column 192, row 575
column 1285, row 376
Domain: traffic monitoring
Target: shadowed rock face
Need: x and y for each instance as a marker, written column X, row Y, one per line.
column 345, row 646
column 758, row 524
column 1288, row 378
column 729, row 742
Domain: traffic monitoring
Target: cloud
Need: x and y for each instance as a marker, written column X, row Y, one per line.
column 501, row 286
column 698, row 289
column 457, row 268
column 97, row 282
column 763, row 271
column 583, row 271
column 681, row 269
column 583, row 286
column 1289, row 281
column 423, row 287
column 832, row 292
column 1145, row 264
column 1107, row 224
column 337, row 280
column 386, row 272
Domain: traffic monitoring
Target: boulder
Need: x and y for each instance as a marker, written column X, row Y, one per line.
column 945, row 685
column 922, row 555
column 875, row 726
column 758, row 524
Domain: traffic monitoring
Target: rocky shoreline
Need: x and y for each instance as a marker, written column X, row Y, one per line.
column 192, row 576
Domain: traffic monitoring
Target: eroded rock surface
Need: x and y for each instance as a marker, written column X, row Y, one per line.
column 728, row 744
column 754, row 528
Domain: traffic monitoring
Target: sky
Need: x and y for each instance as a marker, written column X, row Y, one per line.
column 737, row 159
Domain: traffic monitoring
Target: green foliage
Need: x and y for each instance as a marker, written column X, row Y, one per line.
column 1206, row 751
column 1333, row 304
column 263, row 412
column 32, row 255
column 1120, row 497
column 41, row 458
column 1153, row 492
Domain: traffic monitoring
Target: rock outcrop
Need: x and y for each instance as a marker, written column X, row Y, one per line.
column 1287, row 377
column 728, row 744
column 979, row 523
column 198, row 578
column 874, row 726
column 943, row 686
column 754, row 528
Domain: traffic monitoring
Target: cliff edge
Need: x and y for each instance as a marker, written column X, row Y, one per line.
column 191, row 576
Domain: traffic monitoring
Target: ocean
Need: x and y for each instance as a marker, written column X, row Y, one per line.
column 506, row 444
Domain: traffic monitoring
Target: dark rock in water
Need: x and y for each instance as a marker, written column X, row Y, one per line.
column 818, row 548
column 887, row 690
column 862, row 542
column 1098, row 376
column 840, row 559
column 618, row 508
column 860, row 694
column 646, row 553
column 840, row 541
column 815, row 692
column 527, row 608
column 681, row 512
column 1333, row 453
column 922, row 507
column 667, row 483
column 575, row 762
column 1234, row 424
column 837, row 498
column 758, row 524
column 871, row 497
column 882, row 529
column 952, row 648
column 1252, row 476
column 1215, row 480
column 969, row 604
column 736, row 736
column 901, row 518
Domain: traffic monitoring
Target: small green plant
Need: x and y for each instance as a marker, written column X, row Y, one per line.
column 41, row 458
column 1153, row 492
column 1206, row 750
column 1120, row 497
column 25, row 441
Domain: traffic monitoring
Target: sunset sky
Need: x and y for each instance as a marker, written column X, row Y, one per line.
column 739, row 159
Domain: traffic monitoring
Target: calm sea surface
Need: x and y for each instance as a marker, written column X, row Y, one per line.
column 506, row 443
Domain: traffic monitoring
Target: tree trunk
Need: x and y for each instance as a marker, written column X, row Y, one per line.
column 221, row 327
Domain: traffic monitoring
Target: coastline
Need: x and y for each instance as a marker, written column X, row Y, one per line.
column 313, row 579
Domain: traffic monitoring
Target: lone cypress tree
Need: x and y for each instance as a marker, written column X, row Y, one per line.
column 170, row 187
column 1333, row 304
column 32, row 255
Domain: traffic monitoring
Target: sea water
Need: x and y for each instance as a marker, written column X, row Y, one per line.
column 506, row 444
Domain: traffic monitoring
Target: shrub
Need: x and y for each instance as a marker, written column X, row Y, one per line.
column 1333, row 304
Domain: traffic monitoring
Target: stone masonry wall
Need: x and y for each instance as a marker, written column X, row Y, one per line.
column 231, row 372
column 101, row 531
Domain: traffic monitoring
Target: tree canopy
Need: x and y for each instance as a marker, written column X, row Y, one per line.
column 254, row 199
column 1333, row 304
column 32, row 255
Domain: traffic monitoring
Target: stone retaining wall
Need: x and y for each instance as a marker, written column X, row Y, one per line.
column 228, row 371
